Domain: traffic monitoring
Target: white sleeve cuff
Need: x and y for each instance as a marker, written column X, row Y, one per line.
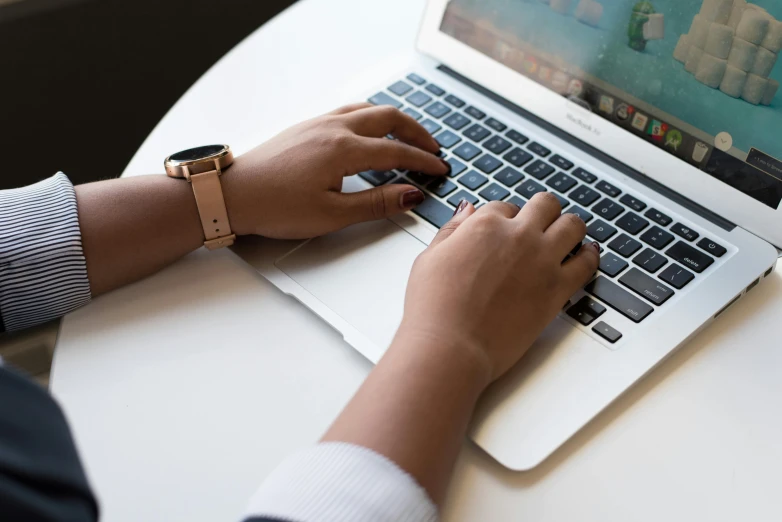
column 43, row 273
column 339, row 482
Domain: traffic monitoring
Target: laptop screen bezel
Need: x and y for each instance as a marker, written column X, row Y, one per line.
column 611, row 139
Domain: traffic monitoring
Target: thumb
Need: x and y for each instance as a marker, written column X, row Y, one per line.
column 463, row 211
column 379, row 203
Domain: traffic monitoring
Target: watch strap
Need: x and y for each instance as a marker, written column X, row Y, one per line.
column 208, row 193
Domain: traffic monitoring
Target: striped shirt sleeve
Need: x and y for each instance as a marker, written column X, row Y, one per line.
column 43, row 273
column 342, row 482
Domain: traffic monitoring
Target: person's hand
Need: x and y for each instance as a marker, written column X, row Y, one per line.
column 290, row 187
column 493, row 279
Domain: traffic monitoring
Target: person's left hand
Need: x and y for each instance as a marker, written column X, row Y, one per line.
column 291, row 186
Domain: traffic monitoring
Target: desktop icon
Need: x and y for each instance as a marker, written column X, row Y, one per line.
column 640, row 121
column 700, row 151
column 606, row 104
column 624, row 111
column 673, row 139
column 575, row 88
column 530, row 64
column 545, row 74
column 657, row 130
column 559, row 82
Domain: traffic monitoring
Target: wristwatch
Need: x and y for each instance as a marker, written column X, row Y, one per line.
column 202, row 168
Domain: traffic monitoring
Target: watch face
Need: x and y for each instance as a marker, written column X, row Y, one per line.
column 197, row 153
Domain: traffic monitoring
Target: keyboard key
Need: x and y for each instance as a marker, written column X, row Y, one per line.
column 413, row 77
column 497, row 145
column 496, row 125
column 529, row 188
column 584, row 195
column 517, row 157
column 538, row 149
column 517, row 137
column 420, row 178
column 600, row 231
column 711, row 247
column 377, row 177
column 519, row 202
column 418, row 99
column 607, row 332
column 463, row 195
column 607, row 188
column 475, row 113
column 434, row 89
column 631, row 223
column 457, row 121
column 453, row 100
column 441, row 187
column 607, row 209
column 676, row 276
column 689, row 257
column 382, row 98
column 647, row 287
column 431, row 126
column 457, row 167
column 562, row 201
column 487, row 163
column 561, row 162
column 477, row 133
column 625, row 246
column 437, row 110
column 539, row 169
column 657, row 237
column 494, row 192
column 467, row 151
column 400, row 88
column 619, row 299
column 650, row 260
column 435, row 212
column 632, row 202
column 448, row 139
column 685, row 232
column 562, row 182
column 612, row 265
column 472, row 180
column 585, row 176
column 586, row 310
column 509, row 176
column 413, row 114
column 658, row 217
column 585, row 216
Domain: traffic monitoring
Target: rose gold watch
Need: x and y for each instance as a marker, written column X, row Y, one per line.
column 202, row 167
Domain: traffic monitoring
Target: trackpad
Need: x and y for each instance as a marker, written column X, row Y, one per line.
column 360, row 273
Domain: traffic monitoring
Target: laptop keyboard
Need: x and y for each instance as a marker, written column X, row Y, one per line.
column 648, row 257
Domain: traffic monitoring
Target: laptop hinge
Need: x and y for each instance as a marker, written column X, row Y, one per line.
column 596, row 153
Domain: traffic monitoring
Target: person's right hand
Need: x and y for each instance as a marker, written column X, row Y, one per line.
column 493, row 279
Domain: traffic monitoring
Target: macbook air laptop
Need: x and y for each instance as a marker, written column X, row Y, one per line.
column 661, row 130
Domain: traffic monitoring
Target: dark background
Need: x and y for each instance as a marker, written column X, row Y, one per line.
column 83, row 82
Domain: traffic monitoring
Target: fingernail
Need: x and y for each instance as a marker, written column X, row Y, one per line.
column 447, row 166
column 439, row 153
column 461, row 207
column 596, row 246
column 411, row 198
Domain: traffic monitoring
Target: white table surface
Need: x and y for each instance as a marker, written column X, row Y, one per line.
column 186, row 389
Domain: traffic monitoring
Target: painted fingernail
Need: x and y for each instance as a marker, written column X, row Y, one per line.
column 461, row 207
column 596, row 246
column 447, row 166
column 439, row 153
column 411, row 198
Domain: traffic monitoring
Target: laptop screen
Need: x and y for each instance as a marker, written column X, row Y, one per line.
column 697, row 79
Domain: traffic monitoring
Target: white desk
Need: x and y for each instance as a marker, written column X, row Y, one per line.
column 186, row 389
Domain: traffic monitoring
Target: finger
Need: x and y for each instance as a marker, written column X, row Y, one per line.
column 579, row 269
column 377, row 203
column 382, row 154
column 564, row 234
column 509, row 210
column 377, row 122
column 464, row 210
column 353, row 107
column 541, row 211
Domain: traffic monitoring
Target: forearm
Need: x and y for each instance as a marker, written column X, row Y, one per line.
column 133, row 227
column 414, row 408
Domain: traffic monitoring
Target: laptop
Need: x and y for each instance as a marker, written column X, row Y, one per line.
column 670, row 154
